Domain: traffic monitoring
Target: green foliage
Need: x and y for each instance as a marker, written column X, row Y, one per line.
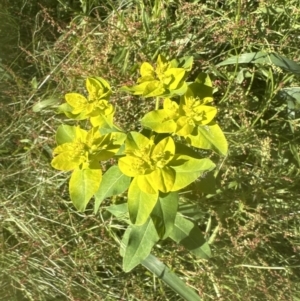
column 113, row 182
column 83, row 185
column 138, row 241
column 95, row 106
column 152, row 168
column 49, row 251
column 81, row 151
column 186, row 233
column 165, row 80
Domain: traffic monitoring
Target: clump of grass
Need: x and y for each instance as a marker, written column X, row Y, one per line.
column 51, row 252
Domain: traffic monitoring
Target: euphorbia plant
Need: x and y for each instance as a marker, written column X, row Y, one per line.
column 151, row 166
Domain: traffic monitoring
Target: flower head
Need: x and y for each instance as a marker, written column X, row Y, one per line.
column 182, row 119
column 95, row 104
column 163, row 80
column 86, row 149
column 149, row 162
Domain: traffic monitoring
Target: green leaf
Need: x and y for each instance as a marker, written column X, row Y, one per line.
column 102, row 121
column 209, row 137
column 188, row 169
column 77, row 101
column 140, row 204
column 191, row 210
column 83, row 185
column 159, row 122
column 98, row 88
column 162, row 179
column 180, row 90
column 138, row 242
column 164, row 213
column 113, row 182
column 50, row 102
column 291, row 95
column 147, row 70
column 202, row 88
column 65, row 133
column 284, row 63
column 189, row 235
column 183, row 149
column 159, row 269
column 67, row 110
column 263, row 58
column 118, row 210
column 185, row 62
column 136, row 90
column 108, row 145
column 153, row 88
column 136, row 141
column 177, row 75
column 34, row 83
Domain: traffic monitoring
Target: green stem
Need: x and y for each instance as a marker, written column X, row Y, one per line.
column 157, row 103
column 171, row 279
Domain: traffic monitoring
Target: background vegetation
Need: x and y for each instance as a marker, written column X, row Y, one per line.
column 48, row 251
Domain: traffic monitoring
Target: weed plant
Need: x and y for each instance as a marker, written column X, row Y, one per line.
column 49, row 251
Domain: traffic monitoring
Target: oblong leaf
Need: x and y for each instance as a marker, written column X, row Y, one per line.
column 137, row 244
column 119, row 210
column 162, row 179
column 136, row 141
column 209, row 137
column 65, row 133
column 159, row 122
column 113, row 182
column 83, row 185
column 164, row 213
column 189, row 170
column 189, row 235
column 77, row 101
column 50, row 102
column 159, row 269
column 263, row 58
column 140, row 203
column 245, row 58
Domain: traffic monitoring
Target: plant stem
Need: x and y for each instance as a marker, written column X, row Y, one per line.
column 157, row 103
column 154, row 265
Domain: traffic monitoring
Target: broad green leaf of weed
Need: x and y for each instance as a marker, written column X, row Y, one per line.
column 159, row 122
column 140, row 203
column 209, row 137
column 188, row 169
column 137, row 244
column 113, row 182
column 98, row 88
column 50, row 102
column 164, row 213
column 263, row 58
column 202, row 88
column 176, row 75
column 188, row 234
column 77, row 101
column 119, row 210
column 65, row 133
column 83, row 185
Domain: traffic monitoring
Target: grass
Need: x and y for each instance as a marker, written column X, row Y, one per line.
column 51, row 252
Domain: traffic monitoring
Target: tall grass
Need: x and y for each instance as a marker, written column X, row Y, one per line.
column 51, row 252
